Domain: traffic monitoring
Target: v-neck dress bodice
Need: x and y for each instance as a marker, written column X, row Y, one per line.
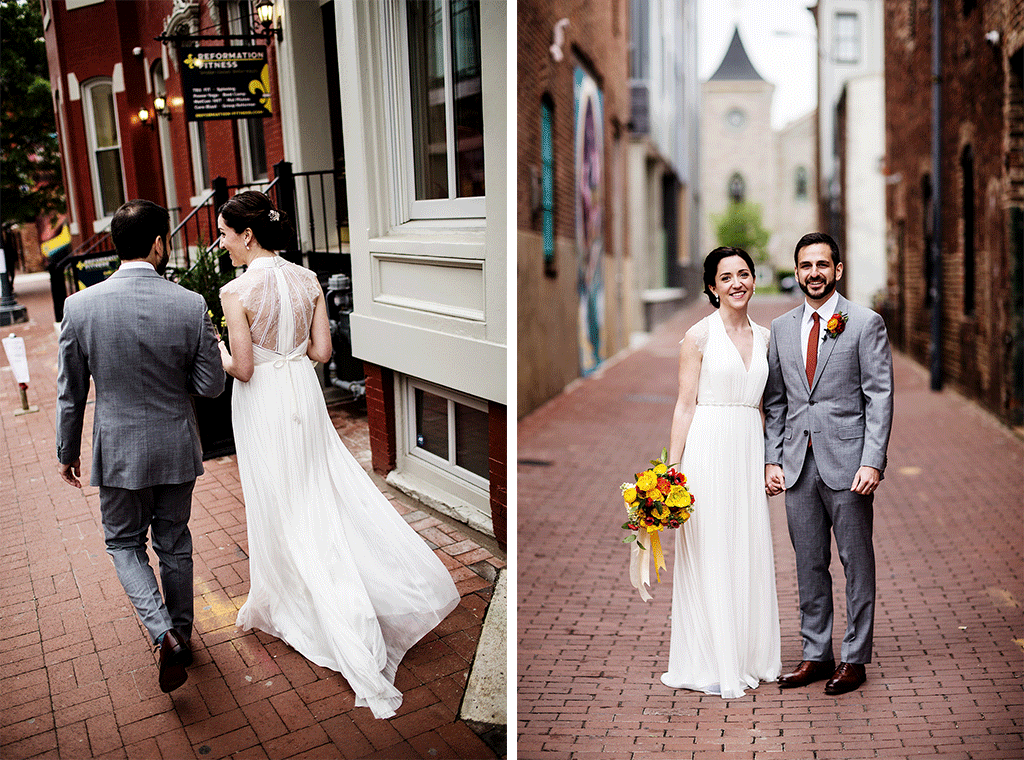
column 724, row 378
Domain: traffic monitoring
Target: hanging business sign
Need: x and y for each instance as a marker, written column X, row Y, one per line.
column 226, row 83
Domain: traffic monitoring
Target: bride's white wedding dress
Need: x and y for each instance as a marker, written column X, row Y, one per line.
column 334, row 570
column 725, row 614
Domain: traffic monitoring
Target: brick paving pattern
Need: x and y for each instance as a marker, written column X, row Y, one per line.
column 77, row 676
column 947, row 672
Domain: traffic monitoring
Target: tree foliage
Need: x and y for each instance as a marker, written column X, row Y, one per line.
column 740, row 226
column 30, row 171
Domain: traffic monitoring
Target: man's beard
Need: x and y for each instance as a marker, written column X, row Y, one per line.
column 830, row 285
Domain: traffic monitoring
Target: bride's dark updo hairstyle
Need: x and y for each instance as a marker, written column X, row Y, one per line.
column 711, row 268
column 255, row 211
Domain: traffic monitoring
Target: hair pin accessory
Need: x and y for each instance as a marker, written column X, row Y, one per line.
column 274, row 216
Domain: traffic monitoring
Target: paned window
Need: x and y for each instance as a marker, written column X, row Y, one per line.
column 200, row 160
column 104, row 147
column 446, row 98
column 967, row 214
column 547, row 181
column 251, row 145
column 450, row 431
column 801, row 183
column 847, row 38
column 737, row 188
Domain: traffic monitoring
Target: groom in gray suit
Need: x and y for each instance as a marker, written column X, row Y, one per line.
column 148, row 344
column 828, row 413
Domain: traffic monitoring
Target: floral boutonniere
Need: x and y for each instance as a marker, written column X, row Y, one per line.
column 835, row 326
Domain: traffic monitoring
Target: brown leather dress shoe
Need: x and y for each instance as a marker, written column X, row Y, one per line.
column 807, row 672
column 175, row 655
column 848, row 676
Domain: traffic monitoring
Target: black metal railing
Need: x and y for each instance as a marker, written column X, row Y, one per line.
column 315, row 201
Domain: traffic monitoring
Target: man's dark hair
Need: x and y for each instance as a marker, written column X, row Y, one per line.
column 136, row 225
column 813, row 238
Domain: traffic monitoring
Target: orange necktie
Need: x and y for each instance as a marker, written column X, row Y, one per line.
column 812, row 350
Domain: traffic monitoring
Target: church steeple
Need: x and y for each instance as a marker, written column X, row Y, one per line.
column 736, row 65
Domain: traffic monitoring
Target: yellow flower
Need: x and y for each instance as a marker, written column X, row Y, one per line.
column 678, row 497
column 661, row 512
column 660, row 469
column 629, row 495
column 655, row 495
column 647, row 481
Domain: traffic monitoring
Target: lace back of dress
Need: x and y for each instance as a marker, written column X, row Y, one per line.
column 286, row 317
column 280, row 297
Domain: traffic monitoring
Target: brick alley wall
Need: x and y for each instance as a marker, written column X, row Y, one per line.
column 980, row 169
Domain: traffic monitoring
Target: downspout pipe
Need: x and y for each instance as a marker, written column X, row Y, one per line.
column 935, row 285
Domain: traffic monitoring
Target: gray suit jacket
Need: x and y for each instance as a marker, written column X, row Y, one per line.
column 148, row 344
column 847, row 411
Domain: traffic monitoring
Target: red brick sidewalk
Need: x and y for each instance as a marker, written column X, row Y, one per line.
column 77, row 677
column 947, row 671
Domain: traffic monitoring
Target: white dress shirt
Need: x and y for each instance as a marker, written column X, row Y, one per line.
column 825, row 311
column 136, row 264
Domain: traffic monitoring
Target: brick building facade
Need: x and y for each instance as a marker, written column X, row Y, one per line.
column 606, row 129
column 425, row 253
column 593, row 44
column 977, row 282
column 121, row 66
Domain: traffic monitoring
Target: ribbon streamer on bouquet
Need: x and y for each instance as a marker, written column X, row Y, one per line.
column 640, row 563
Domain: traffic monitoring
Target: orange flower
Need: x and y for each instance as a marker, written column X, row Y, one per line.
column 835, row 325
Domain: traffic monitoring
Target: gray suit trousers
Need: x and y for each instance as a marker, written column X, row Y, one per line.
column 128, row 516
column 813, row 510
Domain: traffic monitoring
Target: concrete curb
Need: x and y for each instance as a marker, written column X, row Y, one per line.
column 484, row 707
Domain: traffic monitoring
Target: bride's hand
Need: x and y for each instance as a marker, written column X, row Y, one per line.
column 774, row 479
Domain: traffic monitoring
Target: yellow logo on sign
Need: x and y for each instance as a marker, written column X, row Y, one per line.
column 262, row 85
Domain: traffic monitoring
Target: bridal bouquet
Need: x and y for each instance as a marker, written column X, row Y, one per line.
column 657, row 500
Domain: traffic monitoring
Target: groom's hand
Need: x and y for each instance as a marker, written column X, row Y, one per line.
column 866, row 481
column 71, row 471
column 774, row 479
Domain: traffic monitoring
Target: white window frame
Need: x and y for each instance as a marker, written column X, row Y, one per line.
column 447, row 467
column 102, row 219
column 851, row 41
column 196, row 147
column 401, row 131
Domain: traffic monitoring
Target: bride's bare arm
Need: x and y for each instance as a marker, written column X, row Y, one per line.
column 686, row 402
column 238, row 361
column 320, row 348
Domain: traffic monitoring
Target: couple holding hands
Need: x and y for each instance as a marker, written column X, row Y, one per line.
column 823, row 376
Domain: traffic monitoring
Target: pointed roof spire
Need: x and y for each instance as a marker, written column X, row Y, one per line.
column 736, row 64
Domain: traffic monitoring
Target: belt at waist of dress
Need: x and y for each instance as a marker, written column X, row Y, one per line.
column 713, row 403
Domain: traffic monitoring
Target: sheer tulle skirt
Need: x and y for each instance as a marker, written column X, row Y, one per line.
column 725, row 617
column 335, row 571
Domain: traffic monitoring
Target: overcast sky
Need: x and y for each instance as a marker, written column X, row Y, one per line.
column 787, row 61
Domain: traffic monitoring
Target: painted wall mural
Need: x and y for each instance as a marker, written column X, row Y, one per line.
column 589, row 192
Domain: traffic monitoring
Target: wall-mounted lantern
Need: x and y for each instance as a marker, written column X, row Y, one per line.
column 265, row 14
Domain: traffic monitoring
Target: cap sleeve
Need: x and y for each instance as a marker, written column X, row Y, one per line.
column 699, row 334
column 766, row 334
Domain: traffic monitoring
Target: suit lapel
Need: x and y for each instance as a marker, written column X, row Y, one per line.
column 826, row 347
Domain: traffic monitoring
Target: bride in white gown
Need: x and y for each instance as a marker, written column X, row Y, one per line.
column 725, row 613
column 334, row 570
